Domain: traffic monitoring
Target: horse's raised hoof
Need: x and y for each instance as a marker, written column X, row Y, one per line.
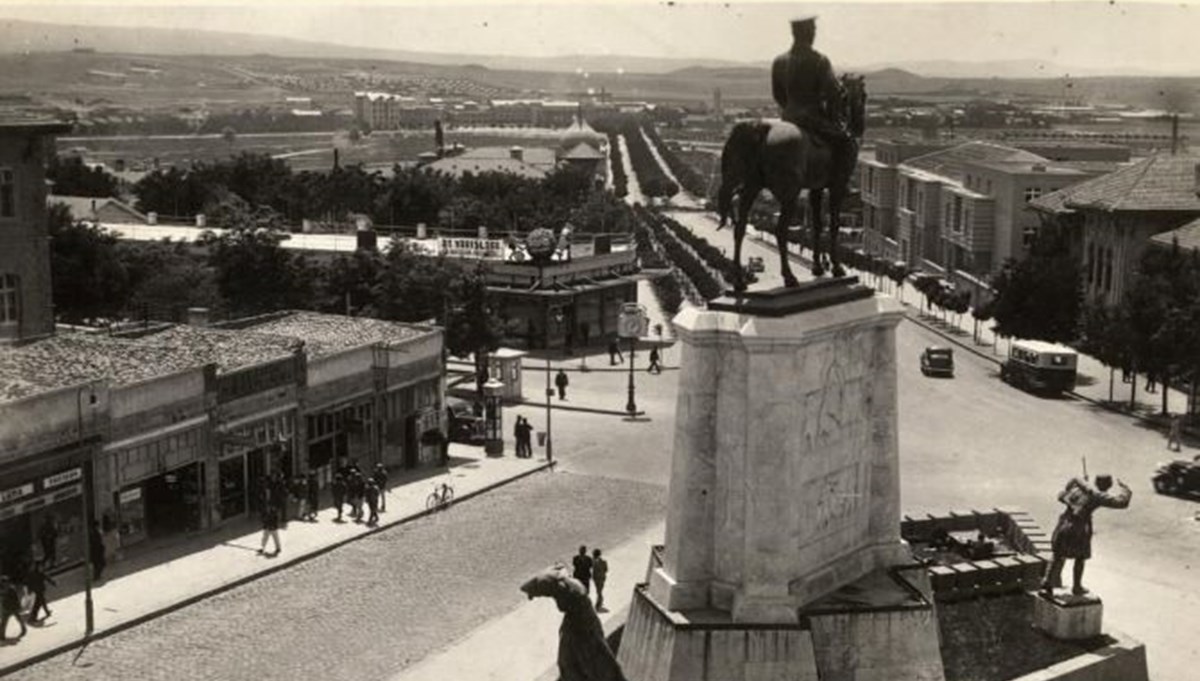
column 838, row 270
column 818, row 269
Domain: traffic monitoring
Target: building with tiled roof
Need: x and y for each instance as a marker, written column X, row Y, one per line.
column 1186, row 237
column 529, row 162
column 960, row 207
column 1111, row 219
column 98, row 209
column 179, row 422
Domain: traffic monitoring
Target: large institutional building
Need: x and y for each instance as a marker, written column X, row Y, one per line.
column 384, row 111
column 168, row 429
column 966, row 206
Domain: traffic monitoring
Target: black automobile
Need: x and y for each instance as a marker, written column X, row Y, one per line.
column 937, row 361
column 465, row 425
column 1180, row 477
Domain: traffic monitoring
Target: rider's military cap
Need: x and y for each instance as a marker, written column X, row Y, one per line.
column 804, row 19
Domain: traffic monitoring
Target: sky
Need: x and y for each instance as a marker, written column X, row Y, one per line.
column 1087, row 36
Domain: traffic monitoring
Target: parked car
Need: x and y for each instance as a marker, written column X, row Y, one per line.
column 465, row 425
column 1177, row 477
column 937, row 361
column 1038, row 366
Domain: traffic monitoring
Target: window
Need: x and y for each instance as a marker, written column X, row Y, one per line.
column 1032, row 193
column 870, row 180
column 8, row 299
column 957, row 212
column 8, row 193
column 1091, row 264
column 1108, row 268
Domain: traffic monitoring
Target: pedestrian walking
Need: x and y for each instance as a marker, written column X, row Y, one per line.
column 10, row 606
column 527, row 437
column 380, row 476
column 1175, row 435
column 312, row 495
column 599, row 575
column 97, row 556
column 36, row 580
column 270, row 528
column 358, row 487
column 655, row 367
column 614, row 352
column 299, row 490
column 338, row 489
column 1151, row 383
column 518, row 434
column 48, row 537
column 561, row 381
column 371, row 494
column 1125, row 374
column 583, row 568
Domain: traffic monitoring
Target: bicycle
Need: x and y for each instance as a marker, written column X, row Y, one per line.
column 440, row 497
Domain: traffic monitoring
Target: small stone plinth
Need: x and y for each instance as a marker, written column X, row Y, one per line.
column 1068, row 617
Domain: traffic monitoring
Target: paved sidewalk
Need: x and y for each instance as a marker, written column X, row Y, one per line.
column 523, row 645
column 164, row 580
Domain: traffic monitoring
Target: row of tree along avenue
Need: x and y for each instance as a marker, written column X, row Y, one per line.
column 1153, row 330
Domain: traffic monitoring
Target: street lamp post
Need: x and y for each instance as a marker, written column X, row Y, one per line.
column 631, row 324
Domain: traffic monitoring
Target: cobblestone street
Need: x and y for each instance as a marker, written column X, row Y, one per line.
column 369, row 609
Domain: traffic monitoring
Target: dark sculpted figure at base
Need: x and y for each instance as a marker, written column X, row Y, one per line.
column 583, row 652
column 813, row 147
column 1072, row 536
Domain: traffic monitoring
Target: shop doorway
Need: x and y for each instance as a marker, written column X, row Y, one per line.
column 411, row 452
column 173, row 501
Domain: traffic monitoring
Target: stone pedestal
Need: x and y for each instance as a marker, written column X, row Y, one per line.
column 1068, row 617
column 785, row 481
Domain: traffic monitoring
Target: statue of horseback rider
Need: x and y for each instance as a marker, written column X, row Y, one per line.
column 808, row 93
column 813, row 147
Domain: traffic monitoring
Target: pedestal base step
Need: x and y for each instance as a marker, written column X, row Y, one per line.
column 1066, row 616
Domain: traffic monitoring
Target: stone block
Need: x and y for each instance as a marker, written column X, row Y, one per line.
column 1067, row 617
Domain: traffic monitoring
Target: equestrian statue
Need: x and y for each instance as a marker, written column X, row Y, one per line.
column 814, row 147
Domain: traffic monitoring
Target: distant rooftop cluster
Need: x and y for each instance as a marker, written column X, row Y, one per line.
column 73, row 358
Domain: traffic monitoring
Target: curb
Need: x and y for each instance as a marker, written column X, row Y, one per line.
column 1107, row 406
column 587, row 410
column 196, row 598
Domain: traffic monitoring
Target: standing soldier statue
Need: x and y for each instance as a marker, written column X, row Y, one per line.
column 1072, row 536
column 806, row 90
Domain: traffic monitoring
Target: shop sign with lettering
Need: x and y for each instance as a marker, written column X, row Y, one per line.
column 16, row 493
column 62, row 478
column 131, row 495
column 472, row 248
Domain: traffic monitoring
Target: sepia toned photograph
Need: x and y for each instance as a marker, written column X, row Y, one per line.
column 612, row 340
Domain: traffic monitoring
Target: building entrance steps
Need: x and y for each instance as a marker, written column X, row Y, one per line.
column 160, row 581
column 523, row 645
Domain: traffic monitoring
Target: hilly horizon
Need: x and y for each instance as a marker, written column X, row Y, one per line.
column 20, row 36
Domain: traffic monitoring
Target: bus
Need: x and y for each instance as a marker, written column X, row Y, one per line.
column 1041, row 367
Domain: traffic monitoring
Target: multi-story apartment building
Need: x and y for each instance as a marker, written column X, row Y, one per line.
column 960, row 207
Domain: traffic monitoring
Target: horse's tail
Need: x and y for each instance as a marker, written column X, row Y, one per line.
column 745, row 143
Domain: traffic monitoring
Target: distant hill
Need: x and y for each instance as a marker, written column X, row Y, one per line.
column 27, row 36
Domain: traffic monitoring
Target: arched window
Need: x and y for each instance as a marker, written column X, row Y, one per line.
column 9, row 298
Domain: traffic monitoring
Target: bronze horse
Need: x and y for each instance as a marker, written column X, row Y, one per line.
column 780, row 157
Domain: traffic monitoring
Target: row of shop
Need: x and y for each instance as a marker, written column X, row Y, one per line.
column 193, row 478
